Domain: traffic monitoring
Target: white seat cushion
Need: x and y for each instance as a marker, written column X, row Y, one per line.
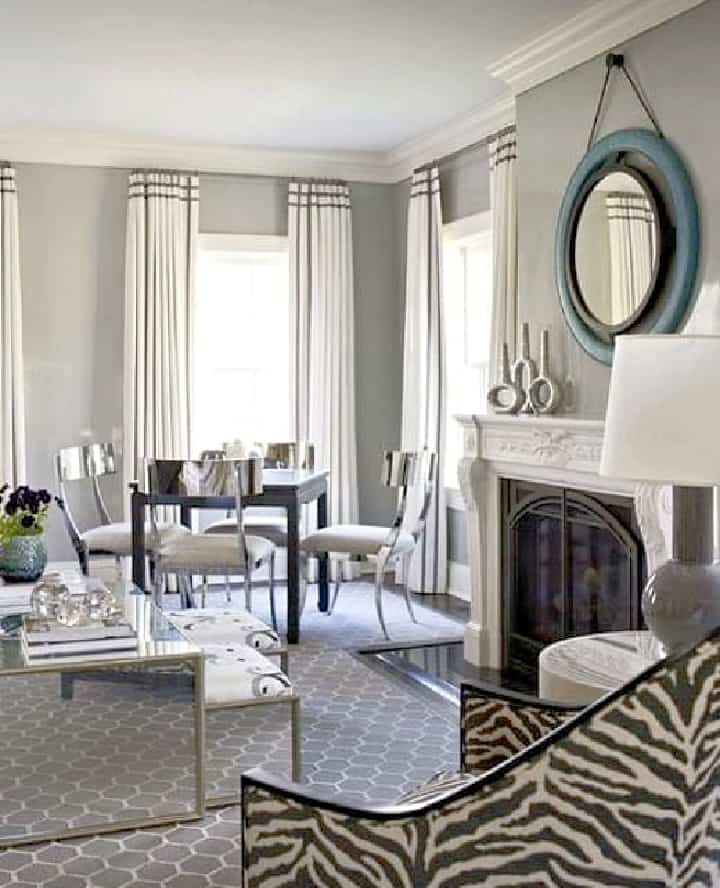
column 236, row 673
column 117, row 537
column 215, row 625
column 274, row 529
column 202, row 551
column 354, row 539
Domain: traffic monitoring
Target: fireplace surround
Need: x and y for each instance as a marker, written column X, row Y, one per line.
column 561, row 455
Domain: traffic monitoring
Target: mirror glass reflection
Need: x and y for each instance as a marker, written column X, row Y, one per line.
column 615, row 248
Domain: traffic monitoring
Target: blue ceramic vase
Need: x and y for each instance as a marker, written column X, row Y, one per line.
column 23, row 559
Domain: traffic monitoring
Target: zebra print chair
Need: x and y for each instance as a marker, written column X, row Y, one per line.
column 625, row 793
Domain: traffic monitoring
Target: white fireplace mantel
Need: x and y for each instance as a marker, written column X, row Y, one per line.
column 555, row 450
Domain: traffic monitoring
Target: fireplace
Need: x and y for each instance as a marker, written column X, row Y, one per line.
column 572, row 564
column 590, row 535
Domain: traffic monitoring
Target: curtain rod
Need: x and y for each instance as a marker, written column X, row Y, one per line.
column 453, row 154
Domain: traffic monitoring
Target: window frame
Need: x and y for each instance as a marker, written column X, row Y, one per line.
column 461, row 233
column 211, row 242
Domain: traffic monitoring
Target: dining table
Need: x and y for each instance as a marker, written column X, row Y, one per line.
column 288, row 489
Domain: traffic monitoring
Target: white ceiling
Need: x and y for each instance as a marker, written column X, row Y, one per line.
column 291, row 74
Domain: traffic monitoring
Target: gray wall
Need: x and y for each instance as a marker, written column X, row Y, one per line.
column 72, row 236
column 677, row 66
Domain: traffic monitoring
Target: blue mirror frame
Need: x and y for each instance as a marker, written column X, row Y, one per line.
column 677, row 291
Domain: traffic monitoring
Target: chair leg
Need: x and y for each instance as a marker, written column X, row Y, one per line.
column 118, row 568
column 285, row 662
column 84, row 559
column 203, row 594
column 157, row 587
column 248, row 591
column 228, row 591
column 303, row 584
column 185, row 590
column 379, row 577
column 406, row 588
column 273, row 614
column 296, row 741
column 338, row 584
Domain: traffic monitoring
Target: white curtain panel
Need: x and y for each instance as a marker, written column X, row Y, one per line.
column 503, row 201
column 162, row 231
column 323, row 335
column 12, row 403
column 423, row 413
column 632, row 250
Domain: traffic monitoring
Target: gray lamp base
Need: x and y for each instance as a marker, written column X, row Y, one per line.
column 681, row 602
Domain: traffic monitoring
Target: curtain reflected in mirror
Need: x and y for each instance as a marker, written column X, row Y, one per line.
column 616, row 248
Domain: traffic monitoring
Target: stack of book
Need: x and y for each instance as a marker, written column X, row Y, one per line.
column 42, row 640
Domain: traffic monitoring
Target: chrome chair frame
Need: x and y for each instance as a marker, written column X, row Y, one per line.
column 402, row 469
column 86, row 462
column 211, row 477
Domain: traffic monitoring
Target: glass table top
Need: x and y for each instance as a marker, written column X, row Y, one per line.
column 157, row 638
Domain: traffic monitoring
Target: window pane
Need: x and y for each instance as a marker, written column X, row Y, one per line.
column 241, row 347
column 467, row 295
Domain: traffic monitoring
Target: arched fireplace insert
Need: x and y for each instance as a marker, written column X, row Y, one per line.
column 573, row 564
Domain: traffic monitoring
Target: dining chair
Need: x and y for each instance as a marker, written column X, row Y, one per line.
column 388, row 547
column 266, row 521
column 85, row 464
column 202, row 554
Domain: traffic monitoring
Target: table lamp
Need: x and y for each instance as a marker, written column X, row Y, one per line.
column 663, row 425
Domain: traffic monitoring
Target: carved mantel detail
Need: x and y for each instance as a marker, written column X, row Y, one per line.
column 555, row 450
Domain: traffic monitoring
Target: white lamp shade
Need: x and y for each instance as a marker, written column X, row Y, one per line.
column 663, row 416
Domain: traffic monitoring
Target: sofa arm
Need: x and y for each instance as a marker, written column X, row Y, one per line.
column 294, row 836
column 495, row 725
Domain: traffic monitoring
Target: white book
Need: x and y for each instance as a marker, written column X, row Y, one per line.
column 60, row 649
column 42, row 631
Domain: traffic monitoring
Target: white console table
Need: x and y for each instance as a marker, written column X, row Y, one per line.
column 578, row 671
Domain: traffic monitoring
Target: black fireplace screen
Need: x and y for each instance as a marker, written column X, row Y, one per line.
column 573, row 564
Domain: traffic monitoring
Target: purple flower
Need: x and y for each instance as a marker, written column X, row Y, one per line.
column 27, row 521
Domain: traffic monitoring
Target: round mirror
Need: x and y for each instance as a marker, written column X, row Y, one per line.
column 627, row 242
column 616, row 248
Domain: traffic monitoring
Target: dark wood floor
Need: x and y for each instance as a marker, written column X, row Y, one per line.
column 440, row 667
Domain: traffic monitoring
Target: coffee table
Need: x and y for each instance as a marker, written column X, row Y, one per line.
column 126, row 749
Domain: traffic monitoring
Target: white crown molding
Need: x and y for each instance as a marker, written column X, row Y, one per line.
column 87, row 148
column 599, row 28
column 463, row 130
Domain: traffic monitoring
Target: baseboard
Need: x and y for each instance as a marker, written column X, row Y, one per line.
column 458, row 583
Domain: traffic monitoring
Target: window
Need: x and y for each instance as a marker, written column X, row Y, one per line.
column 467, row 295
column 242, row 337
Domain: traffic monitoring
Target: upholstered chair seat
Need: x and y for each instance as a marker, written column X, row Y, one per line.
column 116, row 538
column 213, row 625
column 238, row 674
column 355, row 539
column 208, row 553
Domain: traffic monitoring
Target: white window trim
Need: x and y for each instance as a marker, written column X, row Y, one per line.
column 232, row 243
column 469, row 227
column 461, row 232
